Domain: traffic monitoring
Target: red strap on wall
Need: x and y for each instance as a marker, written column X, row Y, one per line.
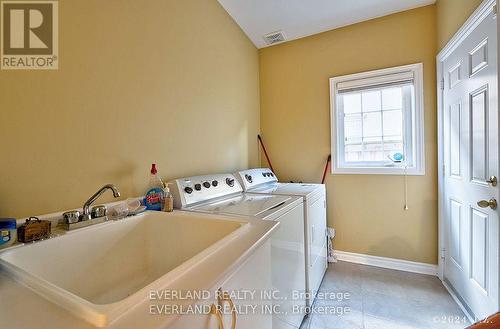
column 265, row 153
column 326, row 168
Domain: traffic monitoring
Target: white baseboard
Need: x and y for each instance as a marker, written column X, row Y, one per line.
column 391, row 263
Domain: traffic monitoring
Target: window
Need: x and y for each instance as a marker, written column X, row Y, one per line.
column 377, row 122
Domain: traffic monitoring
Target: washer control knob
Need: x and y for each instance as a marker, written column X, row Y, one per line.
column 249, row 178
column 188, row 190
column 230, row 181
column 197, row 187
column 215, row 183
column 206, row 184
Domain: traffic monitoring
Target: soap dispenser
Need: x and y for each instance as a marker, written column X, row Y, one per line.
column 168, row 199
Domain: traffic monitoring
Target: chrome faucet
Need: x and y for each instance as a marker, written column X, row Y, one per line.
column 86, row 207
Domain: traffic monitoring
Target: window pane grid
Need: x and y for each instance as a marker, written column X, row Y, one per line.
column 365, row 135
column 387, row 138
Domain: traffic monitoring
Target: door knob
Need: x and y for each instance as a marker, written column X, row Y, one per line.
column 493, row 181
column 492, row 203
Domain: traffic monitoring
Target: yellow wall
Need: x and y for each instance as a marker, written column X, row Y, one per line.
column 366, row 210
column 451, row 14
column 172, row 82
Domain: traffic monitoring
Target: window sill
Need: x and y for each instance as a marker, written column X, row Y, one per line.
column 397, row 171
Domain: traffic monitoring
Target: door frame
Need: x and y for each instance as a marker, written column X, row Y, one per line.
column 483, row 11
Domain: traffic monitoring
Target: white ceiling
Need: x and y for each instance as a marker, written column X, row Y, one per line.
column 300, row 18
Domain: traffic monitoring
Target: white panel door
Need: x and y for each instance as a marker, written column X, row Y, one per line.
column 470, row 137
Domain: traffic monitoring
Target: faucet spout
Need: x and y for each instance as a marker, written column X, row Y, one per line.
column 113, row 188
column 86, row 207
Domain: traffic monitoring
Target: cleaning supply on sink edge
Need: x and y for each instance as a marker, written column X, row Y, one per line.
column 168, row 199
column 155, row 194
column 34, row 229
column 8, row 232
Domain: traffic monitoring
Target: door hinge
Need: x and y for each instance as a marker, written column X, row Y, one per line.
column 443, row 253
column 444, row 170
column 442, row 84
column 495, row 11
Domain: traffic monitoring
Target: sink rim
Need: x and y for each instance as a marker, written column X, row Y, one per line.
column 103, row 314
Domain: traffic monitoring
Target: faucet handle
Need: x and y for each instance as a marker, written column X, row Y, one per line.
column 98, row 211
column 71, row 217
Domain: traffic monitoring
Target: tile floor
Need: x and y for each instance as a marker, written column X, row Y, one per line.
column 365, row 297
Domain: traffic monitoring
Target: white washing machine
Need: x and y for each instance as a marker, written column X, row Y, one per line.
column 223, row 195
column 264, row 181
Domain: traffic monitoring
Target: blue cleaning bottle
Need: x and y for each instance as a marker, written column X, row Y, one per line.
column 155, row 194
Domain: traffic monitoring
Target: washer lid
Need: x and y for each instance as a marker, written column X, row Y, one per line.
column 298, row 189
column 245, row 205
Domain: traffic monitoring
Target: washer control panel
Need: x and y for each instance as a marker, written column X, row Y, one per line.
column 252, row 178
column 192, row 190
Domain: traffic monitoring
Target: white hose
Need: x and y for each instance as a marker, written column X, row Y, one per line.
column 330, row 232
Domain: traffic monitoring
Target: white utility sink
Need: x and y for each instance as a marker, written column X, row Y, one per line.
column 99, row 272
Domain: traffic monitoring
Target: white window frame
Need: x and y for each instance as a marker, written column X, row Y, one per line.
column 337, row 127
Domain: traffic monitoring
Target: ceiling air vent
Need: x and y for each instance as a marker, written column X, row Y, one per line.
column 274, row 37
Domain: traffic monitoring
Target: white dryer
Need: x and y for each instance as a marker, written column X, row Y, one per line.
column 264, row 181
column 223, row 195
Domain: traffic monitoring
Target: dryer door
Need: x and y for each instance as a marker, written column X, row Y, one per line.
column 317, row 244
column 288, row 268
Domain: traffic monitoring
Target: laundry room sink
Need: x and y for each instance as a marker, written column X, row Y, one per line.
column 99, row 272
